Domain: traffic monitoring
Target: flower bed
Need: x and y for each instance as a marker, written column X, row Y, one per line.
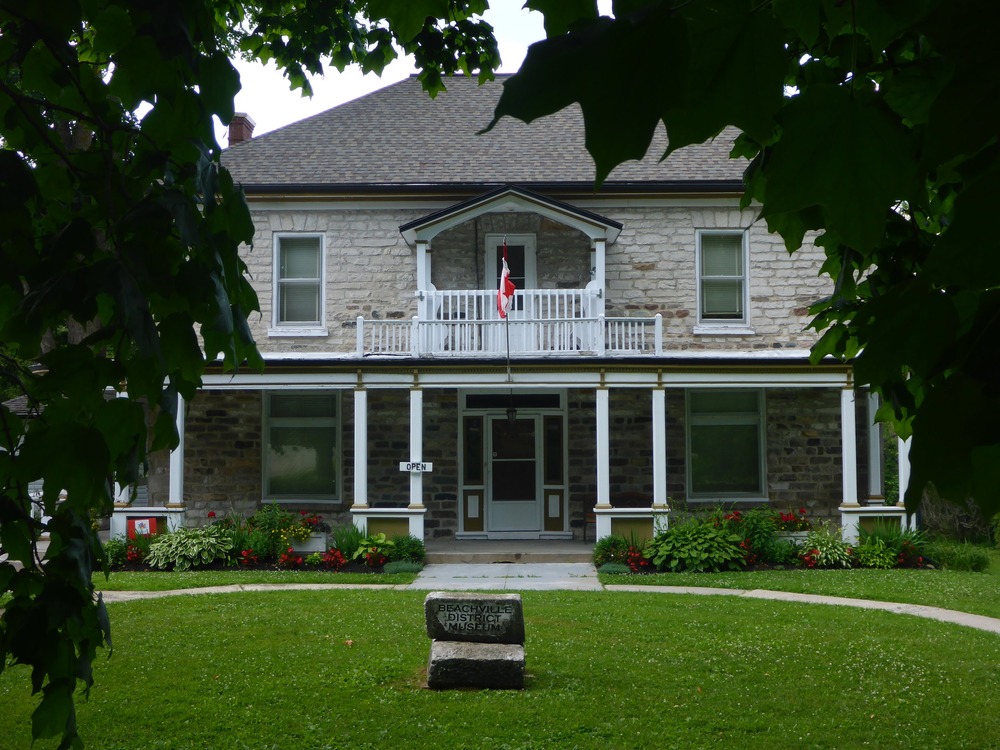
column 273, row 538
column 759, row 539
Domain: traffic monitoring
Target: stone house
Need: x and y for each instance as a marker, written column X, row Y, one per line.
column 655, row 353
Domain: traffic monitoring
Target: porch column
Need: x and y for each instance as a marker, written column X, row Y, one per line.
column 659, row 447
column 175, row 491
column 360, row 447
column 659, row 458
column 416, row 446
column 875, row 494
column 849, row 444
column 599, row 255
column 603, row 462
column 424, row 278
column 904, row 467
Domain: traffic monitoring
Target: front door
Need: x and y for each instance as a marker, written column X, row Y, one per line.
column 514, row 483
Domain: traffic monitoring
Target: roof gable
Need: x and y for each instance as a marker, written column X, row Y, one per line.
column 510, row 198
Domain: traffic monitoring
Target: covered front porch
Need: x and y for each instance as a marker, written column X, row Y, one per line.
column 461, row 454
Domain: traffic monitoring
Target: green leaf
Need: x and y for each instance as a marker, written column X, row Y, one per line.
column 844, row 154
column 561, row 16
column 55, row 713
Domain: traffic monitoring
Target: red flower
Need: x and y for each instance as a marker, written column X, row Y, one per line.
column 211, row 514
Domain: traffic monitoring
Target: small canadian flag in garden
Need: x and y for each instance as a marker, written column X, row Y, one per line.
column 506, row 291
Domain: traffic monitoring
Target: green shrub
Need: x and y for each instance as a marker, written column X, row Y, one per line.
column 114, row 551
column 959, row 556
column 263, row 545
column 137, row 549
column 189, row 548
column 407, row 548
column 614, row 567
column 825, row 548
column 697, row 547
column 347, row 539
column 314, row 560
column 403, row 566
column 875, row 553
column 780, row 552
column 612, row 548
column 374, row 550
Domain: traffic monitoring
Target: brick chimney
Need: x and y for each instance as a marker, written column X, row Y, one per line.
column 241, row 128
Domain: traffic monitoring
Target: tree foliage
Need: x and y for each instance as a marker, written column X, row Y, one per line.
column 873, row 123
column 119, row 270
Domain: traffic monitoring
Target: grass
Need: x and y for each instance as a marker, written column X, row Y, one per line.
column 121, row 580
column 978, row 593
column 345, row 668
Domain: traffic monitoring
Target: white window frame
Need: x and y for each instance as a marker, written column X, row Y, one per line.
column 730, row 326
column 759, row 495
column 297, row 328
column 494, row 241
column 333, row 423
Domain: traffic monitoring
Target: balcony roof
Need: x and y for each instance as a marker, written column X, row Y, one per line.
column 510, row 199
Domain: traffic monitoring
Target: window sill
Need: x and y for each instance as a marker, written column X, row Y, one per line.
column 722, row 329
column 293, row 332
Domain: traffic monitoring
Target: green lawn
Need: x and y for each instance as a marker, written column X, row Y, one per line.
column 345, row 668
column 978, row 593
column 157, row 581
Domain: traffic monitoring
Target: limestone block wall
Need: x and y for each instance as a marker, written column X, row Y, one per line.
column 652, row 269
column 370, row 270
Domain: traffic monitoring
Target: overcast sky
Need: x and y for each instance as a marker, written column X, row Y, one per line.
column 267, row 98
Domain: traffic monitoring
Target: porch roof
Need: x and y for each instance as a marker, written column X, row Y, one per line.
column 511, row 198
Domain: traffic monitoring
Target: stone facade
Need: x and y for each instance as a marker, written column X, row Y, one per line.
column 650, row 269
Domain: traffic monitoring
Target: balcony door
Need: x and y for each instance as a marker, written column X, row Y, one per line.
column 520, row 261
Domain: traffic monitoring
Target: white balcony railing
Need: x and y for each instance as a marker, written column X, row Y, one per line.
column 493, row 338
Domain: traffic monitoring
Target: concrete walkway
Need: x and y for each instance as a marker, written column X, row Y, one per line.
column 509, row 577
column 569, row 577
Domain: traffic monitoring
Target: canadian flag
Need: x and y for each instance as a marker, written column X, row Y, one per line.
column 506, row 291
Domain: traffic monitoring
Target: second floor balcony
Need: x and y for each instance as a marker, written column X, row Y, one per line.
column 541, row 322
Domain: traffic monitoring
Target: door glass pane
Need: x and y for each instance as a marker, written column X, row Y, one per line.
column 553, row 450
column 512, row 441
column 472, row 460
column 513, row 480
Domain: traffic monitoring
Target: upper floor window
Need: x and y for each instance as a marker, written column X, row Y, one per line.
column 298, row 281
column 722, row 278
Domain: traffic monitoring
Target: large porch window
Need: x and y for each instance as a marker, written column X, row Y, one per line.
column 302, row 452
column 725, row 444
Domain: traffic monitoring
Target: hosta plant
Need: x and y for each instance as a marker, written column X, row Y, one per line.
column 824, row 547
column 697, row 547
column 189, row 548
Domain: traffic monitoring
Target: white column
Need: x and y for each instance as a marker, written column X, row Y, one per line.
column 603, row 463
column 360, row 448
column 175, row 493
column 875, row 493
column 599, row 256
column 904, row 467
column 659, row 447
column 416, row 446
column 849, row 444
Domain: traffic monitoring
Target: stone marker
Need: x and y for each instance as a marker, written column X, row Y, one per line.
column 475, row 618
column 477, row 640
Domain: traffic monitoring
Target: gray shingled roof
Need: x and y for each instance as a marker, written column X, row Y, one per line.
column 400, row 138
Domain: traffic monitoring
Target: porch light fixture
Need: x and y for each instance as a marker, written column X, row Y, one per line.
column 511, row 414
